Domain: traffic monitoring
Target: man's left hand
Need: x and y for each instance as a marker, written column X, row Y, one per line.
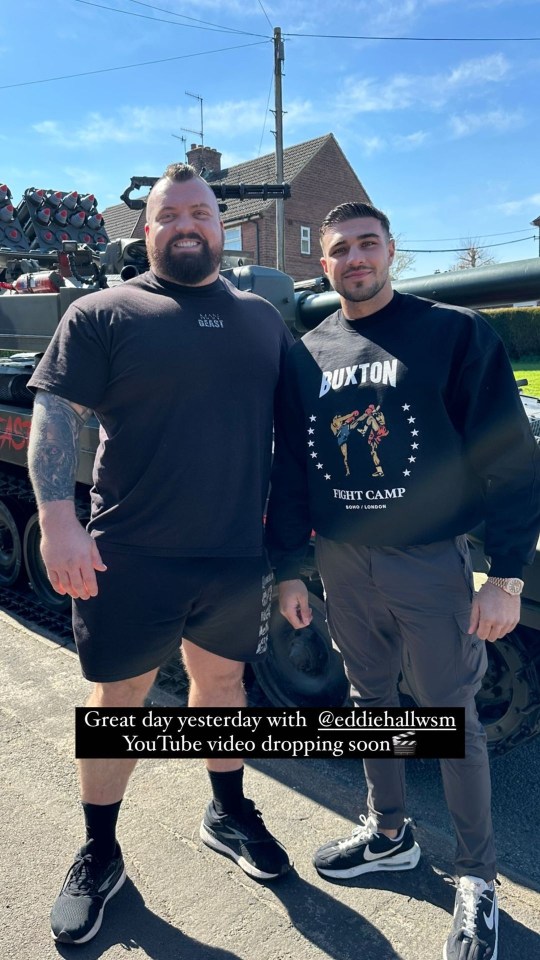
column 494, row 613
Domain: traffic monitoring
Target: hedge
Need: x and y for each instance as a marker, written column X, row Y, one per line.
column 519, row 329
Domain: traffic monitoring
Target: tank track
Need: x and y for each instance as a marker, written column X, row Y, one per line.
column 17, row 486
column 24, row 607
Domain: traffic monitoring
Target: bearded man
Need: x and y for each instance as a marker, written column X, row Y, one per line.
column 174, row 546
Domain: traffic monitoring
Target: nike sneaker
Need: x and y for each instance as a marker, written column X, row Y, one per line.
column 474, row 934
column 78, row 911
column 245, row 839
column 367, row 851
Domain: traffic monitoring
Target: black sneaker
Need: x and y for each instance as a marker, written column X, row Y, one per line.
column 366, row 851
column 78, row 911
column 246, row 840
column 474, row 933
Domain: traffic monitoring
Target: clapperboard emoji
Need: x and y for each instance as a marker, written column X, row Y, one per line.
column 404, row 744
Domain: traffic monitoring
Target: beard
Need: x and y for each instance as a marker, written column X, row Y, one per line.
column 185, row 266
column 358, row 293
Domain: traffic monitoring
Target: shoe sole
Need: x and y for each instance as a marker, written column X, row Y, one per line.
column 244, row 864
column 63, row 937
column 494, row 957
column 406, row 860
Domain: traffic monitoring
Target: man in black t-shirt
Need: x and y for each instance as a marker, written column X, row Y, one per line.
column 180, row 370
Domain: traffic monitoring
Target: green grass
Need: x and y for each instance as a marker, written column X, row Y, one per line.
column 528, row 368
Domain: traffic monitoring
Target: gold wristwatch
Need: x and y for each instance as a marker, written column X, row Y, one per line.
column 511, row 585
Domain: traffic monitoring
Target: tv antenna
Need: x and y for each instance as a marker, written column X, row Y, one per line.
column 200, row 132
column 184, row 141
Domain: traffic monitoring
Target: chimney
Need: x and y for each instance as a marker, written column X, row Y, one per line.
column 206, row 157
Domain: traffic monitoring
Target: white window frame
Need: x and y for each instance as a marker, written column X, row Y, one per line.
column 305, row 241
column 233, row 238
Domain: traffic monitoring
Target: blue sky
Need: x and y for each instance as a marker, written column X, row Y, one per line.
column 443, row 135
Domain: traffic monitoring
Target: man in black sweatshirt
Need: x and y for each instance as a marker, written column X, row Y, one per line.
column 430, row 388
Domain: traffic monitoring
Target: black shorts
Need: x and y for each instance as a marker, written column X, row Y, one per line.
column 145, row 605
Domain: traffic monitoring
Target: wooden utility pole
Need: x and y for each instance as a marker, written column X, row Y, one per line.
column 279, row 58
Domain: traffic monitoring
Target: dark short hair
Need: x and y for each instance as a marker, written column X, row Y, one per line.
column 351, row 211
column 177, row 173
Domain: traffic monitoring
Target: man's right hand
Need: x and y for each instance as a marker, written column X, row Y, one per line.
column 70, row 554
column 293, row 603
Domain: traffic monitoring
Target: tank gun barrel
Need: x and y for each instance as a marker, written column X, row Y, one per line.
column 495, row 285
column 492, row 286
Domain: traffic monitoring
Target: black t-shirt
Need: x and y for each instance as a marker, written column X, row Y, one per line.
column 182, row 380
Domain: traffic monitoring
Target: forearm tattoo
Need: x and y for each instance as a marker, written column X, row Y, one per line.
column 53, row 452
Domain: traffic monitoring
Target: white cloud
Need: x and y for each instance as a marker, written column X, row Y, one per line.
column 375, row 144
column 128, row 125
column 371, row 145
column 139, row 124
column 517, row 206
column 390, row 17
column 49, row 128
column 483, row 70
column 410, row 141
column 84, row 180
column 500, row 121
column 230, row 159
column 367, row 94
column 239, row 115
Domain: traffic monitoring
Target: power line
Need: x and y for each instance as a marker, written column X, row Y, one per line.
column 345, row 36
column 131, row 66
column 143, row 16
column 184, row 16
column 477, row 236
column 266, row 113
column 488, row 246
column 266, row 15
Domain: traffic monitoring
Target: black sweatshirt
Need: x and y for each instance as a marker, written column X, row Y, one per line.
column 403, row 428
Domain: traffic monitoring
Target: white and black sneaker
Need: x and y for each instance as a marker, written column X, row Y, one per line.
column 367, row 851
column 78, row 910
column 245, row 839
column 474, row 934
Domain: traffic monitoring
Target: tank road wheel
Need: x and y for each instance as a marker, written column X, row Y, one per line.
column 10, row 545
column 301, row 668
column 509, row 700
column 35, row 569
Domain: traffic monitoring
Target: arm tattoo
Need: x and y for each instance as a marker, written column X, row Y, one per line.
column 53, row 452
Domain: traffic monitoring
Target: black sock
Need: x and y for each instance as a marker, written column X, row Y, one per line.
column 100, row 823
column 228, row 790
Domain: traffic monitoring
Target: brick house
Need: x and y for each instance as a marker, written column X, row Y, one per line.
column 320, row 177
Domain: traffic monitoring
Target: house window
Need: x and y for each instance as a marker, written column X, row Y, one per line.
column 305, row 240
column 233, row 238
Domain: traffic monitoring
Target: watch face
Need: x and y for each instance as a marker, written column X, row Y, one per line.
column 514, row 586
